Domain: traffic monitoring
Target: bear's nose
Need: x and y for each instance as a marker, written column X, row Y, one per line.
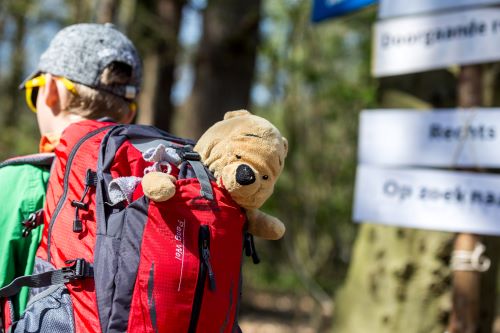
column 245, row 175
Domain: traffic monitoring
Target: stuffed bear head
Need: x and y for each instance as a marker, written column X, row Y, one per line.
column 246, row 154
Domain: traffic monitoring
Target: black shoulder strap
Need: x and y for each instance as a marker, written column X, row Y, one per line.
column 41, row 159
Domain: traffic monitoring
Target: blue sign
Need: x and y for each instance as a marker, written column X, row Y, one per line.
column 323, row 9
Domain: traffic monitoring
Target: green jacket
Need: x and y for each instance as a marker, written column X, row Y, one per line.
column 22, row 192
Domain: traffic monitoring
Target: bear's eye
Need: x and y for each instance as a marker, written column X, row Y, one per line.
column 265, row 177
column 238, row 157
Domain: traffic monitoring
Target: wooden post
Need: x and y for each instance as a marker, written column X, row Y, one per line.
column 466, row 285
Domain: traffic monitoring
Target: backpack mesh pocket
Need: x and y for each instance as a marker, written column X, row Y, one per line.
column 49, row 311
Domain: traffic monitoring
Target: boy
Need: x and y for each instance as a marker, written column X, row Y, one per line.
column 88, row 72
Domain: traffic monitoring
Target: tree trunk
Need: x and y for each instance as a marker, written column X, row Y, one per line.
column 3, row 17
column 474, row 293
column 17, row 68
column 81, row 11
column 160, row 21
column 224, row 64
column 106, row 11
column 398, row 282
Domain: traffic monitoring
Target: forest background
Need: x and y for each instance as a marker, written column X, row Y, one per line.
column 205, row 57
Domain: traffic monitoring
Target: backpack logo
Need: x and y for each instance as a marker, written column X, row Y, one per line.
column 179, row 246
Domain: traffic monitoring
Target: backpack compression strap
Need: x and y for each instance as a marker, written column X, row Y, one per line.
column 80, row 269
column 194, row 159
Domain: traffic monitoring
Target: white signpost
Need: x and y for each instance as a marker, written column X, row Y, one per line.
column 445, row 138
column 428, row 199
column 420, row 43
column 392, row 8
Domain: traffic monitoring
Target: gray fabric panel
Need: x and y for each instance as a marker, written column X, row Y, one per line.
column 203, row 178
column 151, row 299
column 42, row 159
column 107, row 241
column 41, row 266
column 105, row 266
column 109, row 230
column 137, row 132
column 52, row 313
column 107, row 151
column 143, row 144
column 135, row 218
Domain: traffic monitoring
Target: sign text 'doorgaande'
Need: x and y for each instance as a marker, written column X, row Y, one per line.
column 420, row 43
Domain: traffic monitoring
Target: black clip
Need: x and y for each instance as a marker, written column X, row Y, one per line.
column 250, row 250
column 80, row 205
column 186, row 153
column 79, row 269
column 91, row 178
column 90, row 181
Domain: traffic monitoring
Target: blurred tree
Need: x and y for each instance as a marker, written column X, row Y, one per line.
column 224, row 64
column 312, row 81
column 398, row 281
column 398, row 278
column 3, row 17
column 107, row 11
column 81, row 11
column 155, row 32
column 17, row 11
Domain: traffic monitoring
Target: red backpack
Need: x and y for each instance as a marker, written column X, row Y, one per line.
column 173, row 266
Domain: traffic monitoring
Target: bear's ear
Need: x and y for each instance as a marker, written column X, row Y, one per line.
column 237, row 113
column 285, row 144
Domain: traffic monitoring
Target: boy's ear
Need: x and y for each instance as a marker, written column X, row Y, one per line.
column 50, row 94
column 129, row 117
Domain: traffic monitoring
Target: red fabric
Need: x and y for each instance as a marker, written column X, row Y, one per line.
column 173, row 297
column 170, row 245
column 66, row 244
column 5, row 314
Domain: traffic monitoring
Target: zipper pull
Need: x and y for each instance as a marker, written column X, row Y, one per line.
column 206, row 260
column 90, row 181
column 205, row 254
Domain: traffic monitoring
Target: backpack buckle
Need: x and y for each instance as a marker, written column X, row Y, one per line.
column 186, row 153
column 79, row 269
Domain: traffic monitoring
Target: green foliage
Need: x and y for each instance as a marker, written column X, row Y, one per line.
column 318, row 77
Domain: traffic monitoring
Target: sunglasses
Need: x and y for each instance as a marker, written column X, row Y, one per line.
column 31, row 89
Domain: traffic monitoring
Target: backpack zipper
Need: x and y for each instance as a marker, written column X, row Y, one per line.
column 205, row 271
column 62, row 199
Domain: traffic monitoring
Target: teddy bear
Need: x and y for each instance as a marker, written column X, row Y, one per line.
column 246, row 155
